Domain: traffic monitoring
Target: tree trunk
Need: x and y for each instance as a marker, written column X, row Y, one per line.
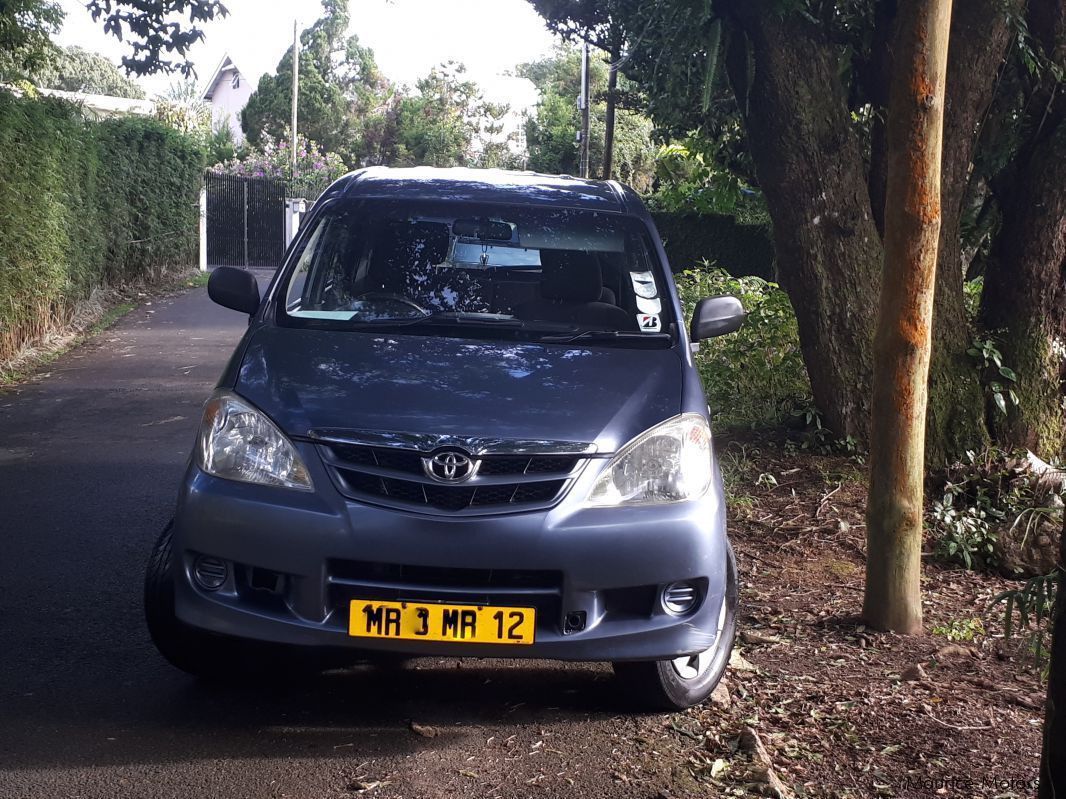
column 1024, row 300
column 903, row 341
column 608, row 119
column 980, row 33
column 875, row 77
column 810, row 168
column 1053, row 758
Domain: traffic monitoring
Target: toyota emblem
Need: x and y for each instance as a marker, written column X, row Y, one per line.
column 450, row 466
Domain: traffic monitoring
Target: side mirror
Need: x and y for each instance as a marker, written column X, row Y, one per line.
column 234, row 288
column 716, row 316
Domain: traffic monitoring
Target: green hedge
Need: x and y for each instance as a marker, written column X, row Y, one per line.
column 737, row 248
column 85, row 204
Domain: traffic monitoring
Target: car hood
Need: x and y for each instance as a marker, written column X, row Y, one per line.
column 317, row 380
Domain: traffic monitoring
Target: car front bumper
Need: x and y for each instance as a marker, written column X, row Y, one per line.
column 295, row 560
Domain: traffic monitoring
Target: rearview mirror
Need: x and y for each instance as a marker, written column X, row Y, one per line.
column 716, row 316
column 234, row 288
column 483, row 229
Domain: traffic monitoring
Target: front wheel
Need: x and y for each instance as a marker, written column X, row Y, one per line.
column 198, row 652
column 193, row 651
column 688, row 680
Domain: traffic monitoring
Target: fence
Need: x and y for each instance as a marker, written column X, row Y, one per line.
column 245, row 220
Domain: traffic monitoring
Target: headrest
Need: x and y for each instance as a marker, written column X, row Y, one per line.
column 570, row 275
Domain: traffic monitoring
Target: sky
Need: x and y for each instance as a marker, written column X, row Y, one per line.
column 408, row 38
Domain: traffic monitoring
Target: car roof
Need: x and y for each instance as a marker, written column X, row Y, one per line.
column 496, row 186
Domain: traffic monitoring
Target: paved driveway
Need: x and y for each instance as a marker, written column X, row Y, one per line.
column 90, row 458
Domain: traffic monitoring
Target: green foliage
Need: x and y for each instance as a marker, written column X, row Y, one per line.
column 551, row 130
column 755, row 376
column 84, row 204
column 341, row 90
column 984, row 498
column 219, row 145
column 1035, row 606
column 964, row 535
column 439, row 125
column 26, row 29
column 74, row 69
column 688, row 182
column 961, row 629
column 995, row 377
column 152, row 28
column 971, row 291
column 739, row 248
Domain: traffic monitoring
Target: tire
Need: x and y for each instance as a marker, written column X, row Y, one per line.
column 207, row 655
column 684, row 682
column 195, row 652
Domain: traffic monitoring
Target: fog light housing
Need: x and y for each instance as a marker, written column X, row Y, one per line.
column 680, row 598
column 210, row 573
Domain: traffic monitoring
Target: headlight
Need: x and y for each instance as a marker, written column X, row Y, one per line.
column 238, row 442
column 671, row 462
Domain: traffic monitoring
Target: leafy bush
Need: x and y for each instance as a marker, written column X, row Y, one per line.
column 1035, row 604
column 84, row 204
column 963, row 532
column 755, row 376
column 315, row 169
column 961, row 629
column 992, row 505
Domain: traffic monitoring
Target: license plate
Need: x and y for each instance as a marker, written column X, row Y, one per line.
column 426, row 621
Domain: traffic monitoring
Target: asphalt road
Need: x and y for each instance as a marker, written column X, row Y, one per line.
column 91, row 453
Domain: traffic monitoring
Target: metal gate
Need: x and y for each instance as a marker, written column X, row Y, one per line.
column 245, row 220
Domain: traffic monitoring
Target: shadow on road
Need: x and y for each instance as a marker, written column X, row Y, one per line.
column 364, row 711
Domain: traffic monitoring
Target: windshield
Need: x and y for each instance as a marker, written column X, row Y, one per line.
column 456, row 269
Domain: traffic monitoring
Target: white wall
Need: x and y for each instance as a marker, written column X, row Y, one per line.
column 227, row 102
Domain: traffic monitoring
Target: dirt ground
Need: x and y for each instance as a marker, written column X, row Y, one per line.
column 838, row 710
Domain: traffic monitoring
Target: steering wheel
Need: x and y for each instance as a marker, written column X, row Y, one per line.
column 385, row 295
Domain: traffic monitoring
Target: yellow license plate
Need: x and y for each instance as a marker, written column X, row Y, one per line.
column 427, row 621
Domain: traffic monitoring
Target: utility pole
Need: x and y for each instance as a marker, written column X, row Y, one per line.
column 583, row 106
column 295, row 89
column 614, row 63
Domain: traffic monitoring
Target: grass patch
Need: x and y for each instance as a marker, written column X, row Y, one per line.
column 109, row 318
column 22, row 368
column 92, row 316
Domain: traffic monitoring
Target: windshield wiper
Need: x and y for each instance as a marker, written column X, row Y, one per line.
column 605, row 335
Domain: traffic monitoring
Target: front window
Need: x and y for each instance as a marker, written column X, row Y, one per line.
column 480, row 271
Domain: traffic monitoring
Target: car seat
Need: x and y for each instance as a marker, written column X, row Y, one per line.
column 571, row 286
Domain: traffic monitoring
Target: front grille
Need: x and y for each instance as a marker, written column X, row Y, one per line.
column 504, row 482
column 452, row 498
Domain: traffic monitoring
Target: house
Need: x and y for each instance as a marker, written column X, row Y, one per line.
column 227, row 93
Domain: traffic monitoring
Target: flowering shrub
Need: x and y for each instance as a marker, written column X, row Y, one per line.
column 273, row 159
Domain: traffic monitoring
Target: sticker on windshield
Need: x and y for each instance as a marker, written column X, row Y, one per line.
column 340, row 316
column 644, row 284
column 649, row 306
column 648, row 322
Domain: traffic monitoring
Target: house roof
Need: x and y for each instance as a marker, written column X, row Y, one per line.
column 225, row 71
column 103, row 105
